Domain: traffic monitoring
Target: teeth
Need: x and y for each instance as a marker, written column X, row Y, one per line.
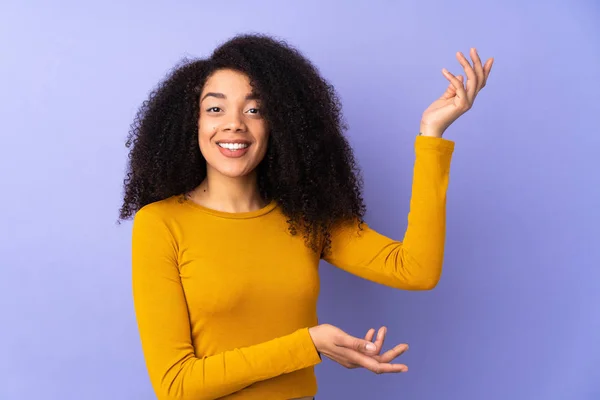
column 233, row 146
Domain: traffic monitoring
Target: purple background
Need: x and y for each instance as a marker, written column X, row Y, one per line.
column 516, row 315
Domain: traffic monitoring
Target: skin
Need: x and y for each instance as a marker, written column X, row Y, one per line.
column 231, row 112
column 457, row 99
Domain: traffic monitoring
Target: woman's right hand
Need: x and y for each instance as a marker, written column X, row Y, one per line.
column 353, row 352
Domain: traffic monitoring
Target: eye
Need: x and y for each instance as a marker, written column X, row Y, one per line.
column 253, row 111
column 213, row 109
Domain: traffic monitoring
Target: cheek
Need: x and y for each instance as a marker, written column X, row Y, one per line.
column 262, row 133
column 205, row 134
column 264, row 143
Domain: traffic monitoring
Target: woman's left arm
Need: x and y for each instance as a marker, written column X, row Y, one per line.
column 416, row 262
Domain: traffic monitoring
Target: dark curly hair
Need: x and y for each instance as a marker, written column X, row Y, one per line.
column 309, row 167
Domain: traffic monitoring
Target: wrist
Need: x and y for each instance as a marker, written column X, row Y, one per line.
column 314, row 342
column 427, row 130
column 313, row 332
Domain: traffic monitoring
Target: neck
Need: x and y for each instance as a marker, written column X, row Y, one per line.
column 222, row 193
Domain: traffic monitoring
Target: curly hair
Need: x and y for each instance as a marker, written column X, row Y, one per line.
column 309, row 168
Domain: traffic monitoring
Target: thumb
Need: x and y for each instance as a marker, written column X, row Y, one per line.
column 360, row 345
column 451, row 90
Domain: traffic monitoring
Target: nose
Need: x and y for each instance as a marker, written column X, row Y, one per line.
column 234, row 123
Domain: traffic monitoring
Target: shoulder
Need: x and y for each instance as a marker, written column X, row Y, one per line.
column 159, row 212
column 164, row 206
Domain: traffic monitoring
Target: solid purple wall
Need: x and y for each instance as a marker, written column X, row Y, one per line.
column 516, row 315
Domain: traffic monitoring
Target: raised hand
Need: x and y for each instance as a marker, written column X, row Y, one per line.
column 352, row 352
column 457, row 99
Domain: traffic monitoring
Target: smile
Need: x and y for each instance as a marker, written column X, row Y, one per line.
column 234, row 149
column 233, row 146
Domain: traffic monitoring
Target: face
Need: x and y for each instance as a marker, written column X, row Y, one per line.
column 232, row 133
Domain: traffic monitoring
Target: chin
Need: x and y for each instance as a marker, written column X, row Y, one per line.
column 233, row 168
column 232, row 171
column 233, row 174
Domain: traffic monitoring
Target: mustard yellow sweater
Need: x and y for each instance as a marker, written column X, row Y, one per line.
column 223, row 300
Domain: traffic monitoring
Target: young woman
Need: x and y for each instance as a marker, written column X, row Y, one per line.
column 241, row 181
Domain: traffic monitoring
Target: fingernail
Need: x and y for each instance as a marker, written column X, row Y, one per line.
column 371, row 347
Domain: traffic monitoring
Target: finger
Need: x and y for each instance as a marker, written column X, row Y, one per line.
column 358, row 359
column 487, row 68
column 478, row 69
column 391, row 354
column 471, row 77
column 370, row 334
column 380, row 367
column 380, row 338
column 356, row 344
column 386, row 368
column 450, row 90
column 458, row 86
column 461, row 79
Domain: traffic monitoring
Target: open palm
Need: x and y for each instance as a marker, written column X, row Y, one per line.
column 458, row 97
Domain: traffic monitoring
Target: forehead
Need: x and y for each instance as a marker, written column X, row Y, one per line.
column 228, row 81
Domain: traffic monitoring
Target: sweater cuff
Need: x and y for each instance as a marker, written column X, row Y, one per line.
column 434, row 143
column 306, row 348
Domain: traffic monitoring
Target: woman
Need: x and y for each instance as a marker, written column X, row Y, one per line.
column 241, row 180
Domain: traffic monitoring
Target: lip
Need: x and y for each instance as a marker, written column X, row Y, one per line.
column 233, row 153
column 234, row 141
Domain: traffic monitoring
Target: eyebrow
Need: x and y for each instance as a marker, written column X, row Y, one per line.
column 251, row 96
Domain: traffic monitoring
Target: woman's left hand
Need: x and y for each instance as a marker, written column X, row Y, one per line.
column 457, row 99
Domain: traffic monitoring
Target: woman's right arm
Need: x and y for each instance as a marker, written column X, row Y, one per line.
column 163, row 321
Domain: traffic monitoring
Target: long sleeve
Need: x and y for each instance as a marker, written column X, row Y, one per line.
column 163, row 321
column 416, row 262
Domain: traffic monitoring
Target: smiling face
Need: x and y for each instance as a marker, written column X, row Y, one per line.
column 232, row 133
